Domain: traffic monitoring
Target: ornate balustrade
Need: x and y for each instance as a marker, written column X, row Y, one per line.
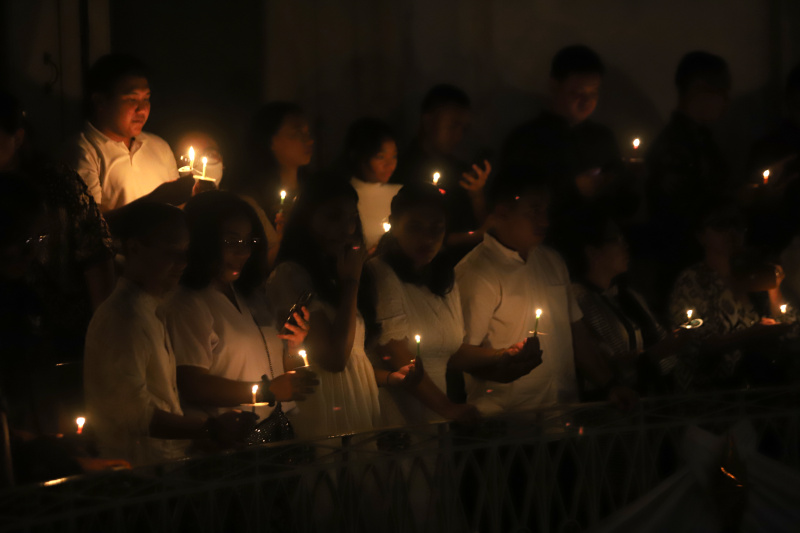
column 560, row 469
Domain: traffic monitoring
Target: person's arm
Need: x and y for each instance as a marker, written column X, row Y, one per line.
column 501, row 365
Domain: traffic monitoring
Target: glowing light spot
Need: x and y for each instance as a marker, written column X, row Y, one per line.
column 636, row 143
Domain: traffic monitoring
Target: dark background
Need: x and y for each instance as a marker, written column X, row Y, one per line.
column 213, row 63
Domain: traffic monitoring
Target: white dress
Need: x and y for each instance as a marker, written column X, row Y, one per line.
column 209, row 332
column 374, row 207
column 345, row 401
column 405, row 310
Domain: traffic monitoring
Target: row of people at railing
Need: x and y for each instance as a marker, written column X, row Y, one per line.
column 506, row 316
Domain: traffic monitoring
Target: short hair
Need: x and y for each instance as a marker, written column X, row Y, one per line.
column 576, row 59
column 206, row 213
column 12, row 117
column 702, row 66
column 443, row 95
column 578, row 229
column 107, row 72
column 508, row 186
column 364, row 139
column 143, row 219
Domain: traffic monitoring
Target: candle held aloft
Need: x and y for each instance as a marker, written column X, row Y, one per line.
column 304, row 355
column 80, row 421
column 765, row 175
column 536, row 324
column 436, row 177
column 191, row 158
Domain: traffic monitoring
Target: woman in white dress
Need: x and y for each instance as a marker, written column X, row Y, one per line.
column 369, row 157
column 417, row 295
column 223, row 345
column 323, row 252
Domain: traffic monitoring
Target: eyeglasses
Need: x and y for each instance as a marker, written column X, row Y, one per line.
column 36, row 240
column 240, row 243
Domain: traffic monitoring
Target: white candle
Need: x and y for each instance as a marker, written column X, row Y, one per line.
column 80, row 421
column 283, row 197
column 689, row 314
column 191, row 158
column 386, row 227
column 205, row 162
column 418, row 338
column 255, row 391
column 304, row 355
column 436, row 177
column 536, row 324
column 765, row 174
column 636, row 143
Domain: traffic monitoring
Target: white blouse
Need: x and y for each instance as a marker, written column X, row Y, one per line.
column 405, row 310
column 209, row 332
column 344, row 401
column 374, row 207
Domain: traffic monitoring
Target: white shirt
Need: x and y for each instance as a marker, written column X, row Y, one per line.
column 405, row 310
column 374, row 207
column 500, row 293
column 129, row 372
column 209, row 332
column 344, row 401
column 115, row 175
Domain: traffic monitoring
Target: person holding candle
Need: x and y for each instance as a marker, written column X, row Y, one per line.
column 221, row 328
column 418, row 301
column 724, row 290
column 116, row 159
column 579, row 156
column 129, row 369
column 279, row 146
column 444, row 120
column 369, row 157
column 323, row 252
column 502, row 282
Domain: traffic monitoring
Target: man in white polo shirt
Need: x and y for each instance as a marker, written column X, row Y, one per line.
column 118, row 161
column 503, row 281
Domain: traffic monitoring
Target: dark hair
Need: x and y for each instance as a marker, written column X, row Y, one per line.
column 702, row 66
column 576, row 59
column 299, row 246
column 20, row 205
column 577, row 230
column 12, row 117
column 365, row 138
column 442, row 95
column 513, row 183
column 206, row 213
column 109, row 70
column 439, row 275
column 143, row 219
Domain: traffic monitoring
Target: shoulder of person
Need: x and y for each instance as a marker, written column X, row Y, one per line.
column 184, row 299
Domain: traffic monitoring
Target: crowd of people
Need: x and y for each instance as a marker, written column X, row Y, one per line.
column 248, row 300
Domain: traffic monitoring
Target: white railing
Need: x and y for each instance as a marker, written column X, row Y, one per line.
column 550, row 470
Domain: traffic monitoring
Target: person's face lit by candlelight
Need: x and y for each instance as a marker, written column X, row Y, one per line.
column 161, row 259
column 122, row 114
column 525, row 221
column 420, row 233
column 293, row 145
column 444, row 127
column 334, row 225
column 575, row 98
column 237, row 246
column 381, row 166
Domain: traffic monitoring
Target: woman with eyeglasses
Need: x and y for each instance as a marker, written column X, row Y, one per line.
column 220, row 327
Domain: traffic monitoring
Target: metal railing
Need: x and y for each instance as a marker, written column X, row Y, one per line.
column 559, row 469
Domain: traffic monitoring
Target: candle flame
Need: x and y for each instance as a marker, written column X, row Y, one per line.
column 304, row 355
column 254, row 389
column 766, row 176
column 689, row 313
column 436, row 177
column 283, row 195
column 191, row 153
column 417, row 338
column 204, row 160
column 538, row 313
column 386, row 227
column 636, row 143
column 80, row 421
column 783, row 309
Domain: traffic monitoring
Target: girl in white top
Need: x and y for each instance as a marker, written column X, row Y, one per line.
column 322, row 251
column 417, row 295
column 222, row 347
column 370, row 157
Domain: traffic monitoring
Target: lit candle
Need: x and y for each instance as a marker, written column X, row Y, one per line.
column 419, row 340
column 766, row 176
column 191, row 158
column 536, row 325
column 636, row 143
column 80, row 421
column 283, row 197
column 304, row 355
column 386, row 227
column 255, row 391
column 436, row 177
column 205, row 162
column 689, row 314
column 783, row 309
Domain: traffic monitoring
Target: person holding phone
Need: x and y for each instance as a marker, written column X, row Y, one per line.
column 221, row 328
column 323, row 251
